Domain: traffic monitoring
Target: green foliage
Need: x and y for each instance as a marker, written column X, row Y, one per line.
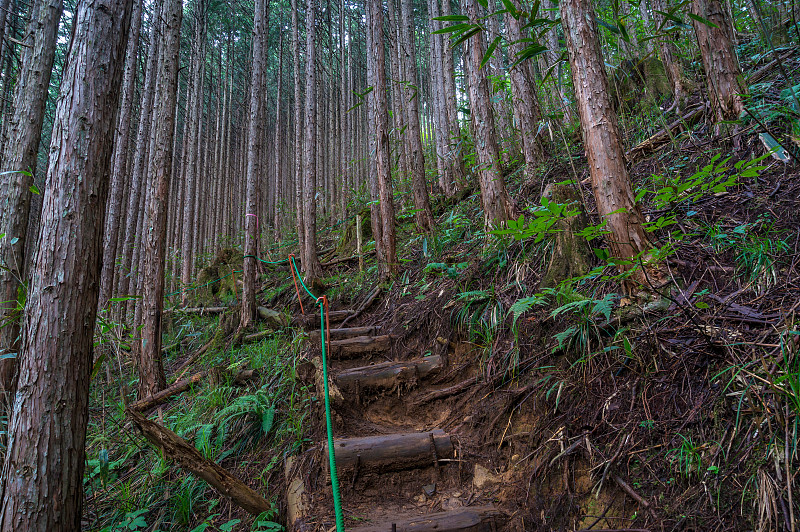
column 544, row 218
column 687, row 457
column 523, row 305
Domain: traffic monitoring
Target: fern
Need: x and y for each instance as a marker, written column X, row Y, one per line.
column 523, row 305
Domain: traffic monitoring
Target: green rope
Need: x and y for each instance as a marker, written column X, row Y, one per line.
column 337, row 502
column 266, row 261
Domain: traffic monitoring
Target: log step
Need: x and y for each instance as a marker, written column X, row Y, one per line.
column 360, row 345
column 469, row 519
column 311, row 318
column 391, row 452
column 387, row 374
column 347, row 332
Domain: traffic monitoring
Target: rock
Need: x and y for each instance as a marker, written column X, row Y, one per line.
column 274, row 319
column 429, row 489
column 482, row 477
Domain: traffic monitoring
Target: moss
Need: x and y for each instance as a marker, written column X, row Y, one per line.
column 571, row 253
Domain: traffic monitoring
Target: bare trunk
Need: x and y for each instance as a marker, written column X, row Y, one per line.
column 497, row 206
column 388, row 263
column 119, row 171
column 42, row 475
column 253, row 163
column 667, row 51
column 19, row 161
column 151, row 369
column 311, row 265
column 723, row 73
column 298, row 132
column 610, row 181
column 451, row 106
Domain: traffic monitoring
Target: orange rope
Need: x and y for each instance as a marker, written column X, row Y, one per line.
column 296, row 288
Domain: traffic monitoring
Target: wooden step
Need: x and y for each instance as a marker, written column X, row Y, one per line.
column 347, row 332
column 387, row 374
column 360, row 345
column 391, row 451
column 311, row 317
column 469, row 519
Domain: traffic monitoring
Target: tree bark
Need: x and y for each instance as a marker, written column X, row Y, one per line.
column 525, row 102
column 23, row 134
column 497, row 206
column 388, row 263
column 119, row 167
column 422, row 204
column 610, row 182
column 723, row 74
column 42, row 475
column 298, row 132
column 666, row 51
column 151, row 368
column 311, row 265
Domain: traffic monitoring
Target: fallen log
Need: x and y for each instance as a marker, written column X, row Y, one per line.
column 392, row 451
column 176, row 448
column 387, row 374
column 311, row 317
column 663, row 136
column 203, row 311
column 258, row 336
column 345, row 259
column 348, row 332
column 471, row 519
column 147, row 403
column 367, row 302
column 360, row 345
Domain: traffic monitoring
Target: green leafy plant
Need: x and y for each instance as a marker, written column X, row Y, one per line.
column 687, row 457
column 544, row 218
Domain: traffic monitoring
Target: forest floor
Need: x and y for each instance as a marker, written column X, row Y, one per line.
column 581, row 406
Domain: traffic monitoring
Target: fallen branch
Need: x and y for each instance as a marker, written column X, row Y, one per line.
column 258, row 336
column 176, row 448
column 147, row 403
column 445, row 392
column 345, row 259
column 664, row 135
column 367, row 302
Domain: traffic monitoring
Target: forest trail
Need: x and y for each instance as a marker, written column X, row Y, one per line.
column 400, row 466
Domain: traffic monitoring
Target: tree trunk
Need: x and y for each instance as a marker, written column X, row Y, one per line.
column 723, row 73
column 413, row 134
column 610, row 181
column 497, row 206
column 19, row 161
column 451, row 106
column 151, row 368
column 42, row 475
column 119, row 171
column 253, row 162
column 388, row 263
column 525, row 101
column 311, row 265
column 298, row 132
column 667, row 51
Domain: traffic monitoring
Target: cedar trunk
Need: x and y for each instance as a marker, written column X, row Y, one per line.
column 151, row 368
column 19, row 155
column 42, row 475
column 253, row 163
column 610, row 181
column 496, row 204
column 723, row 73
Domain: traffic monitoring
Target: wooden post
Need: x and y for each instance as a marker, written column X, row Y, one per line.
column 358, row 244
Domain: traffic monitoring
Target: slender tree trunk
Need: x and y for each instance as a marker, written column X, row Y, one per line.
column 525, row 102
column 497, row 206
column 550, row 11
column 610, row 181
column 42, row 475
column 151, row 369
column 195, row 118
column 253, row 162
column 119, row 166
column 127, row 282
column 311, row 265
column 19, row 162
column 278, row 140
column 667, row 52
column 298, row 133
column 422, row 205
column 451, row 106
column 381, row 132
column 723, row 73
